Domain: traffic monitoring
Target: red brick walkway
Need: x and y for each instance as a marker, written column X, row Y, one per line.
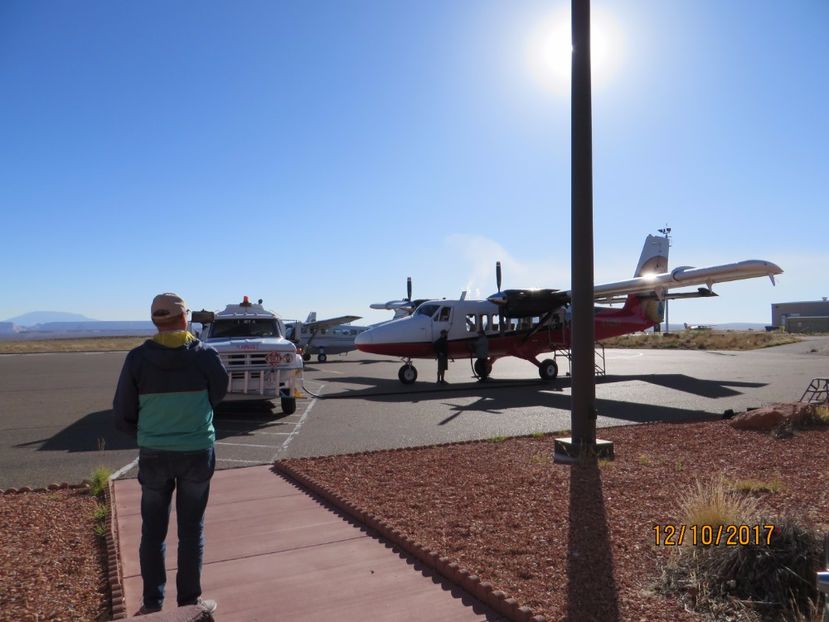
column 275, row 553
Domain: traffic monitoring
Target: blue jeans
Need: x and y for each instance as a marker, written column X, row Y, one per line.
column 161, row 472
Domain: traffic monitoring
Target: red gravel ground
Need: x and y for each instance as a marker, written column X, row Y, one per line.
column 574, row 542
column 52, row 565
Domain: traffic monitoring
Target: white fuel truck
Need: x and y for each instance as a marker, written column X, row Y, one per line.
column 261, row 362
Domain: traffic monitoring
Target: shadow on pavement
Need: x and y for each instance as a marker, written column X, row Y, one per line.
column 385, row 387
column 97, row 432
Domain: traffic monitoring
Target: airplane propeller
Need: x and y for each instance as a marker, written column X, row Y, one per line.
column 526, row 302
column 406, row 304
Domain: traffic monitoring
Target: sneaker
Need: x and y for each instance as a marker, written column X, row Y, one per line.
column 208, row 606
column 147, row 610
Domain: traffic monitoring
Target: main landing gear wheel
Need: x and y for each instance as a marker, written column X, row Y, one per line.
column 482, row 368
column 407, row 374
column 548, row 369
column 288, row 405
column 306, row 356
column 322, row 357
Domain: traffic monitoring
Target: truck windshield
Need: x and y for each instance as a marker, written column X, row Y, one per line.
column 262, row 327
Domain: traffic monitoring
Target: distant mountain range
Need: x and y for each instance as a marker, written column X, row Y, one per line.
column 44, row 317
column 59, row 324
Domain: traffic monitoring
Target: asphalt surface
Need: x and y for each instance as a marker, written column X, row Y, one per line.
column 56, row 424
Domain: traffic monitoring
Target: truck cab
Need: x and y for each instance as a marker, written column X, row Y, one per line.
column 261, row 363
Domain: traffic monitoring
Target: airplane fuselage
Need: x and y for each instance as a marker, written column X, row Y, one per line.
column 526, row 338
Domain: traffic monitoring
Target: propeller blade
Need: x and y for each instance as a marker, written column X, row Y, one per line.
column 408, row 288
column 498, row 274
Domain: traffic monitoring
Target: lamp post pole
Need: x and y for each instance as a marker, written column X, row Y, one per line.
column 583, row 413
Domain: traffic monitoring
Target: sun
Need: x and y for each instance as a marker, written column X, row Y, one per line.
column 550, row 50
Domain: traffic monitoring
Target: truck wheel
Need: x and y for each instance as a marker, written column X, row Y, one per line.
column 288, row 405
column 407, row 374
column 548, row 370
column 322, row 357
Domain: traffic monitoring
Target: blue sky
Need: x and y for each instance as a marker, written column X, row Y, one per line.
column 316, row 154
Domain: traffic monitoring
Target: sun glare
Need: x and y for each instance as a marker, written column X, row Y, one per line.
column 550, row 50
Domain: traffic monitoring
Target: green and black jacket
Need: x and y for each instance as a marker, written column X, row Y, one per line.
column 166, row 395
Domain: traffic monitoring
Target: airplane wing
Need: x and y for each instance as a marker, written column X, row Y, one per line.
column 327, row 323
column 686, row 276
column 536, row 302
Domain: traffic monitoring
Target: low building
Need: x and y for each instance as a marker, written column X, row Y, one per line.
column 801, row 317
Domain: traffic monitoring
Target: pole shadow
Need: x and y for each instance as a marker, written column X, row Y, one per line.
column 592, row 594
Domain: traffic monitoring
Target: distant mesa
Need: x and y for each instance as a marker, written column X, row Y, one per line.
column 60, row 325
column 45, row 317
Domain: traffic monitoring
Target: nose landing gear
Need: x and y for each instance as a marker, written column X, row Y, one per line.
column 407, row 373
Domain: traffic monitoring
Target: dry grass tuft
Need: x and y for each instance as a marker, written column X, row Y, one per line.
column 715, row 503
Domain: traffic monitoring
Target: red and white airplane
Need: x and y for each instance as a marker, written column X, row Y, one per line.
column 527, row 322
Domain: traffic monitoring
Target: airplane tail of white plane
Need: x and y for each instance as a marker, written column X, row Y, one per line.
column 654, row 257
column 312, row 317
column 653, row 260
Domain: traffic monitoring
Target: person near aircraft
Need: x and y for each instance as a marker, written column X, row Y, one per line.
column 442, row 354
column 482, row 356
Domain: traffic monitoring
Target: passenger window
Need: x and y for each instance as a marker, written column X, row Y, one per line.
column 471, row 324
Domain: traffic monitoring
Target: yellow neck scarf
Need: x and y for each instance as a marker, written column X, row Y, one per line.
column 174, row 338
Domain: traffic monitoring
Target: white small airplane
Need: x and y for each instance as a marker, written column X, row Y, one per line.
column 527, row 322
column 323, row 337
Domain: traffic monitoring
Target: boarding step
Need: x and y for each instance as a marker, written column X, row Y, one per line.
column 817, row 391
column 599, row 359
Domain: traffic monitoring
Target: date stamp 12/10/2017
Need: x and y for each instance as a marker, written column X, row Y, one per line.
column 708, row 535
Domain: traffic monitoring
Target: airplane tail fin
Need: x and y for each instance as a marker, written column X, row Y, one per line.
column 653, row 260
column 654, row 257
column 312, row 317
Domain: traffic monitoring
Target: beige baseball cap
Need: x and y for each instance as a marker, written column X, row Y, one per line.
column 168, row 305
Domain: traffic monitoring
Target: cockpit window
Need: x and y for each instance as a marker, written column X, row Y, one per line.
column 443, row 316
column 427, row 310
column 260, row 327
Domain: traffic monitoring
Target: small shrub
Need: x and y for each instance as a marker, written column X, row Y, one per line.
column 773, row 581
column 101, row 512
column 821, row 415
column 644, row 460
column 99, row 481
column 497, row 439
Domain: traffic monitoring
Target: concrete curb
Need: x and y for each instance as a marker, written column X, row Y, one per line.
column 114, row 574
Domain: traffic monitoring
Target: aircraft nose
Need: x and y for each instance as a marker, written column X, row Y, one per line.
column 364, row 338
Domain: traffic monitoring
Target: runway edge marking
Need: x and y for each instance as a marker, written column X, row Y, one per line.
column 297, row 427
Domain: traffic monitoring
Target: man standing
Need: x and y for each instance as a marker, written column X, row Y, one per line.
column 442, row 354
column 168, row 388
column 482, row 356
